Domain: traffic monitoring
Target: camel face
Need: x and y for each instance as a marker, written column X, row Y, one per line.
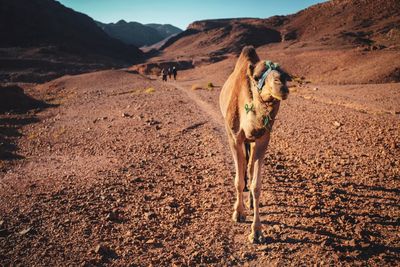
column 277, row 82
column 274, row 85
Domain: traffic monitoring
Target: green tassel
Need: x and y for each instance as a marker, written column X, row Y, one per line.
column 266, row 122
column 249, row 108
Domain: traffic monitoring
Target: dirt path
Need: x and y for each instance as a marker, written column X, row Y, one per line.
column 131, row 171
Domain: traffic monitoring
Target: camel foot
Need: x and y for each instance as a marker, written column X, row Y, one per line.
column 256, row 237
column 238, row 217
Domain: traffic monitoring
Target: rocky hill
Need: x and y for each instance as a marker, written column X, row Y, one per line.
column 338, row 41
column 345, row 22
column 368, row 23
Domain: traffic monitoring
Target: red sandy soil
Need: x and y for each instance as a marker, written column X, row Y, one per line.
column 117, row 174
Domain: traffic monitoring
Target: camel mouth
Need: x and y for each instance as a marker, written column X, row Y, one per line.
column 280, row 97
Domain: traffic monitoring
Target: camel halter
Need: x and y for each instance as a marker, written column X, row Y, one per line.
column 270, row 67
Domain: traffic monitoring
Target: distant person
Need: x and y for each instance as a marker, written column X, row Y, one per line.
column 175, row 72
column 169, row 73
column 164, row 74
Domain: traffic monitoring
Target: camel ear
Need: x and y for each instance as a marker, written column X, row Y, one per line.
column 285, row 75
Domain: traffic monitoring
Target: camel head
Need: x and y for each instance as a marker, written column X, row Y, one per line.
column 274, row 85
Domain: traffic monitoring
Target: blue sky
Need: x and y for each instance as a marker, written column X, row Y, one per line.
column 182, row 12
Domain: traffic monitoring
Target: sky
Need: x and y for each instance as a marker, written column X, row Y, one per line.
column 181, row 13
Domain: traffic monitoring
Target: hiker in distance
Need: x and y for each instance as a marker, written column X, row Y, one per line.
column 170, row 73
column 164, row 74
column 175, row 72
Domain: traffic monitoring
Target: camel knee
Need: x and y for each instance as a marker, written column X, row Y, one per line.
column 239, row 184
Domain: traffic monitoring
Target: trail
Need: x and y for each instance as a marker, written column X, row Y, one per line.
column 214, row 114
column 120, row 175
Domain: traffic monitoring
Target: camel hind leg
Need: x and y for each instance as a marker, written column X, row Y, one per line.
column 250, row 172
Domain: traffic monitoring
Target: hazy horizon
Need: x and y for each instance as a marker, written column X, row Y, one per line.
column 181, row 13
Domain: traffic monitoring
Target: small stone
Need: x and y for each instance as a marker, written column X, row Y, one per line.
column 352, row 242
column 137, row 180
column 3, row 232
column 26, row 231
column 112, row 216
column 182, row 212
column 98, row 249
column 280, row 167
column 315, row 88
column 150, row 215
column 125, row 115
column 151, row 241
column 104, row 251
column 364, row 245
column 337, row 124
column 128, row 234
column 276, row 228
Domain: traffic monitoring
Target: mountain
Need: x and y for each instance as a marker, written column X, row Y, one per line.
column 42, row 39
column 34, row 23
column 138, row 34
column 166, row 30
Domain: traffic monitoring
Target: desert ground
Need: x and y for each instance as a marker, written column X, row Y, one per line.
column 122, row 169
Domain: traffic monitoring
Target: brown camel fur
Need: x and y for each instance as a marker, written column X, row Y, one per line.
column 250, row 127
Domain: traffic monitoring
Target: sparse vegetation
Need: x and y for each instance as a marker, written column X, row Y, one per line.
column 210, row 86
column 150, row 90
column 197, row 87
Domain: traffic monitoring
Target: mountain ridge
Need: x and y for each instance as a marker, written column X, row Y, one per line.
column 138, row 34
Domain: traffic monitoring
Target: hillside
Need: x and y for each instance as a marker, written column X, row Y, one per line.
column 358, row 40
column 345, row 22
column 44, row 36
column 221, row 36
column 360, row 22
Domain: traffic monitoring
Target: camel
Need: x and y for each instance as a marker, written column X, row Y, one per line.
column 249, row 102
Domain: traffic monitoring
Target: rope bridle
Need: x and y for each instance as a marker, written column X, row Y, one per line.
column 267, row 119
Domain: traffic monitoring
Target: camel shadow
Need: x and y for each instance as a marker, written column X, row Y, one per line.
column 352, row 232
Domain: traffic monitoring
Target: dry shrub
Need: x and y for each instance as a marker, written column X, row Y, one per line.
column 150, row 90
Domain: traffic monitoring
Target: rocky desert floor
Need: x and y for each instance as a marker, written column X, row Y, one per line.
column 125, row 170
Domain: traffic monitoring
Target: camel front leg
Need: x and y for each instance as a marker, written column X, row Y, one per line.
column 255, row 189
column 238, row 153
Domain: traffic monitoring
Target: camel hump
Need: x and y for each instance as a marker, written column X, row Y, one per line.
column 247, row 56
column 249, row 53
